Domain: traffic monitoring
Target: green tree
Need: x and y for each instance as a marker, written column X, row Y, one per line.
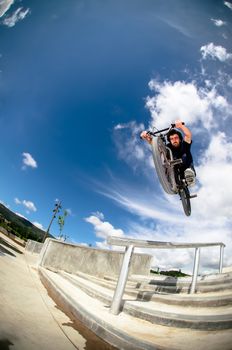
column 61, row 222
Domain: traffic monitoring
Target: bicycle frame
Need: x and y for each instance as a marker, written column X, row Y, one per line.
column 170, row 161
column 169, row 169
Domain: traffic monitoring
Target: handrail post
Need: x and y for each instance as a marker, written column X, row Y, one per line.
column 118, row 294
column 195, row 270
column 221, row 258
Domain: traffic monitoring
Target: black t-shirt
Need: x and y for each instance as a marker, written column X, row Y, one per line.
column 183, row 152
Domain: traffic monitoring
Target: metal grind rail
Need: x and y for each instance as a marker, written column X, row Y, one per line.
column 130, row 244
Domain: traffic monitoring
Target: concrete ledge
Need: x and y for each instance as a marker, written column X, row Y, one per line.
column 58, row 255
column 33, row 246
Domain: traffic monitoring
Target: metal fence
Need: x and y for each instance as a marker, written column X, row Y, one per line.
column 130, row 244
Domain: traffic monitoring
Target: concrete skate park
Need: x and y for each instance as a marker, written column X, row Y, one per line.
column 58, row 295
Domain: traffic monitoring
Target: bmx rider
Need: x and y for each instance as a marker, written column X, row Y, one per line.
column 180, row 145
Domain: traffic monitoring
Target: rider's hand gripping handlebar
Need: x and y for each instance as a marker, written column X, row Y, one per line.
column 160, row 131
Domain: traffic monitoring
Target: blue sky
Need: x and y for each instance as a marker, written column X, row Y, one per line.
column 79, row 80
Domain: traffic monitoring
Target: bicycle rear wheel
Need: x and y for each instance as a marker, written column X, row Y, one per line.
column 164, row 171
column 185, row 199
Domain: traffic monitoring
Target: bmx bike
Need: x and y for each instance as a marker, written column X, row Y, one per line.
column 168, row 169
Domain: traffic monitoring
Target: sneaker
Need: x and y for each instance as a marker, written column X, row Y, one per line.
column 189, row 176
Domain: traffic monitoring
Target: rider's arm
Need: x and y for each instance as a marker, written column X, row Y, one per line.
column 186, row 131
column 145, row 136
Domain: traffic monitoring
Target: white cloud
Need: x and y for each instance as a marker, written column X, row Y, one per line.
column 102, row 245
column 150, row 207
column 120, row 126
column 37, row 224
column 214, row 174
column 28, row 161
column 103, row 229
column 105, row 245
column 212, row 51
column 129, row 146
column 177, row 26
column 184, row 101
column 4, row 6
column 30, row 206
column 165, row 258
column 18, row 15
column 17, row 201
column 228, row 4
column 218, row 22
column 99, row 215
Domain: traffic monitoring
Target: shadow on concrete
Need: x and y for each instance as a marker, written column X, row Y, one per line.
column 8, row 245
column 166, row 286
column 5, row 344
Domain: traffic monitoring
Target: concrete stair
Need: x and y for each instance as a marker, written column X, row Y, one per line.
column 145, row 291
column 205, row 284
column 164, row 284
column 143, row 302
column 198, row 312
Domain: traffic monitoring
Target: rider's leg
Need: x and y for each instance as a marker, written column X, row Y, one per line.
column 189, row 171
column 190, row 177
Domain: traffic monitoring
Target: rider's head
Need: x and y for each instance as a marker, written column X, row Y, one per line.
column 174, row 137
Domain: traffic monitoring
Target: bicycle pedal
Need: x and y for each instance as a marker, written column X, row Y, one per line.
column 194, row 195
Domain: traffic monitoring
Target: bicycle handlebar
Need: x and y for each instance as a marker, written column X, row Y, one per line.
column 159, row 131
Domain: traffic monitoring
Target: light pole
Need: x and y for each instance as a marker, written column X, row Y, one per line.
column 55, row 211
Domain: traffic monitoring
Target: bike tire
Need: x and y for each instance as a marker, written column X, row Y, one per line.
column 165, row 173
column 185, row 199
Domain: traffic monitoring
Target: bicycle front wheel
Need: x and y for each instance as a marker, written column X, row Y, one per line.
column 185, row 199
column 164, row 171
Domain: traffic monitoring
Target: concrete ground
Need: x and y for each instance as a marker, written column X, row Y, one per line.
column 29, row 319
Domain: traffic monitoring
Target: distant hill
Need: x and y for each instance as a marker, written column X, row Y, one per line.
column 173, row 273
column 19, row 226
